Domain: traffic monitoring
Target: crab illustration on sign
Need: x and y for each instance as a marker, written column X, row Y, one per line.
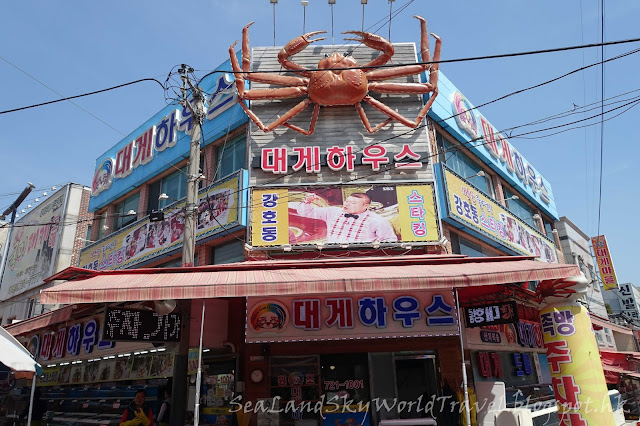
column 338, row 81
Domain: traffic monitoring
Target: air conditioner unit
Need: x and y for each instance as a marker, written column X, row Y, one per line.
column 514, row 417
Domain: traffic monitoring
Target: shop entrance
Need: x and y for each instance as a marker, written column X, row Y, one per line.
column 416, row 376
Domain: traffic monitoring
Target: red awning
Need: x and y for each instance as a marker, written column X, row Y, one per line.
column 44, row 320
column 271, row 278
column 601, row 322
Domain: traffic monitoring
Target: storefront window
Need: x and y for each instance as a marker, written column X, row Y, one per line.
column 345, row 378
column 295, row 378
column 453, row 157
column 218, row 385
column 231, row 157
column 122, row 217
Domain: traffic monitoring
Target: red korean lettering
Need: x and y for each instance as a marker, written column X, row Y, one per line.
column 566, row 391
column 274, row 160
column 308, row 157
column 489, row 137
column 340, row 312
column 306, row 314
column 338, row 158
column 557, row 353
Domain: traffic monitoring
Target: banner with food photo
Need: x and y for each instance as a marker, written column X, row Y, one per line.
column 358, row 214
column 474, row 209
column 218, row 208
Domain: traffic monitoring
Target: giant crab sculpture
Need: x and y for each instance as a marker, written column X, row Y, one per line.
column 338, row 81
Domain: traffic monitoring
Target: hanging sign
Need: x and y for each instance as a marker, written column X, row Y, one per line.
column 605, row 264
column 495, row 313
column 576, row 369
column 123, row 324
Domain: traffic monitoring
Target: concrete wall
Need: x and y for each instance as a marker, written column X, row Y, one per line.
column 576, row 248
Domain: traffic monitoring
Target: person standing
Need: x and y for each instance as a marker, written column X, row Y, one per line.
column 137, row 412
column 351, row 223
column 165, row 409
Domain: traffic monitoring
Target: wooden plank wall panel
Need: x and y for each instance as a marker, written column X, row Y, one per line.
column 337, row 125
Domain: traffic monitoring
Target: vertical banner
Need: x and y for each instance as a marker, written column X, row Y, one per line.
column 576, row 370
column 270, row 217
column 605, row 264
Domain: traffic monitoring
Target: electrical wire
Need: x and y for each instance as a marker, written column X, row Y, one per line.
column 59, row 94
column 82, row 95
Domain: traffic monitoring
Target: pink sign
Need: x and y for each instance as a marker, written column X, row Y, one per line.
column 348, row 316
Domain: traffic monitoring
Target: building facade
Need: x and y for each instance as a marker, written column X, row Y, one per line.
column 315, row 206
column 44, row 241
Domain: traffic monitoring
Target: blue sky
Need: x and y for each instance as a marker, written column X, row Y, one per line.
column 77, row 46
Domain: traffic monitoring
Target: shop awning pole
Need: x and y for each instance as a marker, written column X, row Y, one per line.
column 196, row 413
column 467, row 408
column 33, row 391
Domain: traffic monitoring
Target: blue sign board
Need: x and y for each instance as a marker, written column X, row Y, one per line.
column 452, row 111
column 164, row 139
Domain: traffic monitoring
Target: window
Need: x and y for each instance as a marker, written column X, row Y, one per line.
column 102, row 224
column 231, row 157
column 463, row 166
column 548, row 229
column 174, row 185
column 520, row 209
column 35, row 308
column 460, row 245
column 228, row 253
column 87, row 238
column 122, row 218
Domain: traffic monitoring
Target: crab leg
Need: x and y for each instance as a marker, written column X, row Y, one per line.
column 282, row 80
column 278, row 93
column 237, row 72
column 410, row 88
column 312, row 125
column 365, row 120
column 399, row 117
column 376, row 42
column 292, row 113
column 297, row 45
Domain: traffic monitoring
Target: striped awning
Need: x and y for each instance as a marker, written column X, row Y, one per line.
column 272, row 278
column 41, row 321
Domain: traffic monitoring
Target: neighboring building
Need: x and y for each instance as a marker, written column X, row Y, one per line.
column 44, row 241
column 625, row 304
column 576, row 249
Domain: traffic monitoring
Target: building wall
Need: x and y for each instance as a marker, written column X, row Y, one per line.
column 71, row 238
column 576, row 247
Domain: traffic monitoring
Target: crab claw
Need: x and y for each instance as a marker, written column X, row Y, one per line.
column 298, row 44
column 376, row 42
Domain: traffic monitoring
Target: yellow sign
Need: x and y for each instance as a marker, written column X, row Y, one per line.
column 145, row 240
column 342, row 215
column 576, row 370
column 481, row 213
column 605, row 264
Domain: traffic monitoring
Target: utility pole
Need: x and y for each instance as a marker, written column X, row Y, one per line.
column 13, row 208
column 179, row 389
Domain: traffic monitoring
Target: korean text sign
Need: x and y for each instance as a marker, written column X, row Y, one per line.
column 605, row 264
column 576, row 369
column 144, row 240
column 122, row 324
column 476, row 210
column 495, row 313
column 33, row 247
column 346, row 316
column 346, row 214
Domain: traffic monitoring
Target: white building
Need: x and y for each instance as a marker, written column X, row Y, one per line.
column 43, row 242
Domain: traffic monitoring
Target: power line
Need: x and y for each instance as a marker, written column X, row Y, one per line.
column 59, row 94
column 82, row 95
